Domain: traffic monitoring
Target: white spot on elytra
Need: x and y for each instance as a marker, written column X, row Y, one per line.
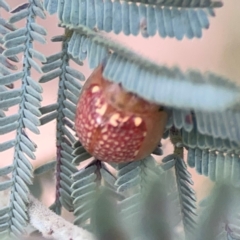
column 113, row 119
column 95, row 89
column 89, row 134
column 104, row 130
column 102, row 110
column 105, row 137
column 137, row 121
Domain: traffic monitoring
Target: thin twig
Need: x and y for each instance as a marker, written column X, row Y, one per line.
column 53, row 226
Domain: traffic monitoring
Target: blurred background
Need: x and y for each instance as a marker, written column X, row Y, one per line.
column 217, row 51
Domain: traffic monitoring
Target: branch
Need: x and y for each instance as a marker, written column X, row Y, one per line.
column 53, row 226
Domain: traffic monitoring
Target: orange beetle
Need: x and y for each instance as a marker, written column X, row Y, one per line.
column 114, row 125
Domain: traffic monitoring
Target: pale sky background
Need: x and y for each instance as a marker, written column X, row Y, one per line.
column 218, row 51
